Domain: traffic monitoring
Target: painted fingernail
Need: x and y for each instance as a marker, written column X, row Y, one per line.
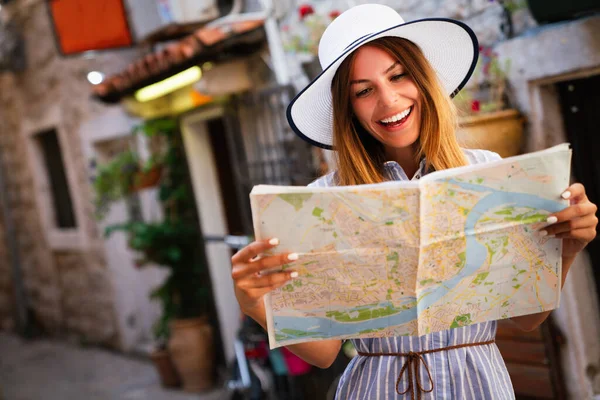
column 294, row 274
column 542, row 233
column 274, row 242
column 292, row 256
column 552, row 220
column 566, row 195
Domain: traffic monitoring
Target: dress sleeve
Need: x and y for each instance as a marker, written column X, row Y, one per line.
column 481, row 156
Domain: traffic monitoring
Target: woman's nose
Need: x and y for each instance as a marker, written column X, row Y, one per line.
column 388, row 96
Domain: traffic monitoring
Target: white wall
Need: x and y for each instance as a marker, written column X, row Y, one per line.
column 203, row 169
column 135, row 312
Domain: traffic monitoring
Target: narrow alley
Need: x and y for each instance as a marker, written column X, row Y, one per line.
column 56, row 370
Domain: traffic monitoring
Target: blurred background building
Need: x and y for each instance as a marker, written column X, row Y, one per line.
column 84, row 83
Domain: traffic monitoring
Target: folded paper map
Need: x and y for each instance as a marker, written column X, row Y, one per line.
column 457, row 247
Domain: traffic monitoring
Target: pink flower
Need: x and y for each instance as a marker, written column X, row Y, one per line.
column 475, row 106
column 305, row 10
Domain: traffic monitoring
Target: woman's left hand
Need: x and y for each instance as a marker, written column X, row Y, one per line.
column 576, row 224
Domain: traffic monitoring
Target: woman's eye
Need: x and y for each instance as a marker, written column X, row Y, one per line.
column 398, row 77
column 362, row 93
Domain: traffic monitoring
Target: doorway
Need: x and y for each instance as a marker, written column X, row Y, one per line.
column 579, row 103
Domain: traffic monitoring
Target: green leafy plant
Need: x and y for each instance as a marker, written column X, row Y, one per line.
column 113, row 181
column 176, row 241
column 126, row 172
column 511, row 5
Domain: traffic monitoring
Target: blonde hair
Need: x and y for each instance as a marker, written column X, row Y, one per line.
column 359, row 156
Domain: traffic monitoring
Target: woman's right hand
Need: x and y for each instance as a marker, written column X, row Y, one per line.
column 250, row 287
column 250, row 283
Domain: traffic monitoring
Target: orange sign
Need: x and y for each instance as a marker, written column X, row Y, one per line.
column 82, row 25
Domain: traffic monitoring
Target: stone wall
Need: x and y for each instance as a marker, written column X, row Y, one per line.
column 483, row 16
column 6, row 298
column 69, row 292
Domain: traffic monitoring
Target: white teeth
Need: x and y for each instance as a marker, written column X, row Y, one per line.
column 397, row 117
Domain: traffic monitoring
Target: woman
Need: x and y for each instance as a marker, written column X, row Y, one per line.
column 383, row 102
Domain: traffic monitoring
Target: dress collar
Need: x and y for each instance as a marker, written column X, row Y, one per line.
column 394, row 172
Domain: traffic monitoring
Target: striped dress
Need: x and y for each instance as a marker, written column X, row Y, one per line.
column 466, row 373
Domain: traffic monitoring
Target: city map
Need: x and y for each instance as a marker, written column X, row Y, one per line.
column 457, row 247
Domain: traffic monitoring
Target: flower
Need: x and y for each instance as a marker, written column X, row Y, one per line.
column 475, row 105
column 304, row 10
column 334, row 14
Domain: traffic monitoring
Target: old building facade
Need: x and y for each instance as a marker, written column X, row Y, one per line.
column 64, row 276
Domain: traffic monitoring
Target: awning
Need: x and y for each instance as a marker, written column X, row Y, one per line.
column 213, row 44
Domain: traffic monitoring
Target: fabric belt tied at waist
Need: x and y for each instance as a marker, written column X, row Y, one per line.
column 413, row 361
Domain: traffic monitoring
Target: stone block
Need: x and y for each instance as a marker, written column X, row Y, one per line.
column 68, row 260
column 49, row 312
column 7, row 324
column 477, row 6
column 100, row 334
column 74, row 284
column 99, row 283
column 50, row 294
column 5, row 280
column 486, row 25
column 72, row 304
column 72, row 323
column 6, row 303
column 459, row 9
column 46, row 274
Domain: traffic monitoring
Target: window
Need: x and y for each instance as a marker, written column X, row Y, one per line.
column 64, row 216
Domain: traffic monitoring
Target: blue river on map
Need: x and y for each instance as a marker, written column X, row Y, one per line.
column 476, row 254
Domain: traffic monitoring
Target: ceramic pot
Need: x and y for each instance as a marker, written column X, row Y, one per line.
column 500, row 131
column 144, row 180
column 192, row 351
column 164, row 367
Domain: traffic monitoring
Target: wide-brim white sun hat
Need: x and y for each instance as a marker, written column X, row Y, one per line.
column 450, row 46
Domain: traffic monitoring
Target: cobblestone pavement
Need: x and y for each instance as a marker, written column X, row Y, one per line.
column 53, row 370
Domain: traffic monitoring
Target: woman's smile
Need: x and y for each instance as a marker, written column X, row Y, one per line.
column 397, row 120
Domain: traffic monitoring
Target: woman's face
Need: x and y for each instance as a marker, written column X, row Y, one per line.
column 384, row 98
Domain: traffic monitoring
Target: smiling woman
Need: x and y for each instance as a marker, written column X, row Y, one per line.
column 400, row 113
column 383, row 103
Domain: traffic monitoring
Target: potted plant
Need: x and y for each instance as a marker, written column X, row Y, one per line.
column 167, row 373
column 487, row 119
column 121, row 176
column 112, row 181
column 175, row 243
